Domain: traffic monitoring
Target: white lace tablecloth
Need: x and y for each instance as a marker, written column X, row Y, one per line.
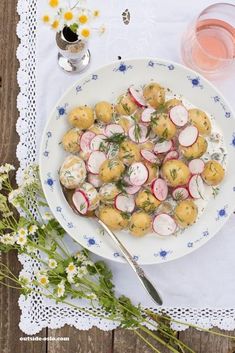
column 198, row 288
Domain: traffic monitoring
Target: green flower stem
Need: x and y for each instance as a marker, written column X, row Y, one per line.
column 59, row 246
column 147, row 342
column 9, row 286
column 45, row 250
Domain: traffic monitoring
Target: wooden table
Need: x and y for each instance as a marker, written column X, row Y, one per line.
column 94, row 340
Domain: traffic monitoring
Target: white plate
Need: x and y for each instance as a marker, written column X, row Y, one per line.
column 108, row 83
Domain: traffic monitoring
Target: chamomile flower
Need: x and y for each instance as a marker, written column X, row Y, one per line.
column 31, row 250
column 60, row 289
column 71, row 269
column 22, row 232
column 52, row 263
column 96, row 13
column 84, row 32
column 54, row 3
column 80, row 256
column 47, row 216
column 102, row 30
column 42, row 279
column 8, row 239
column 68, row 16
column 21, row 240
column 81, row 271
column 83, row 18
column 25, row 279
column 14, row 197
column 33, row 229
column 6, row 168
column 46, row 19
column 92, row 296
column 57, row 25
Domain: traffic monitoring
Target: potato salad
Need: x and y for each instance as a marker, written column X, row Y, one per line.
column 142, row 163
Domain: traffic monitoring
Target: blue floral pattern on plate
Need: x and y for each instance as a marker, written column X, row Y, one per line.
column 122, row 67
column 218, row 99
column 152, row 63
column 196, row 81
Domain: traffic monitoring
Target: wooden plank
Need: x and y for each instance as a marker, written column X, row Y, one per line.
column 202, row 342
column 126, row 341
column 91, row 341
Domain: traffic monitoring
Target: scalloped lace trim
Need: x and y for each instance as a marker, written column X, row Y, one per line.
column 38, row 313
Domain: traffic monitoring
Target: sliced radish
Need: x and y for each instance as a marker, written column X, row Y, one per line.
column 171, row 155
column 163, row 224
column 97, row 141
column 86, row 140
column 112, row 129
column 138, row 174
column 196, row 187
column 137, row 97
column 124, row 203
column 159, row 189
column 95, row 160
column 132, row 189
column 147, row 115
column 163, row 147
column 179, row 115
column 196, row 166
column 138, row 133
column 80, row 201
column 180, row 193
column 94, row 180
column 149, row 156
column 188, row 136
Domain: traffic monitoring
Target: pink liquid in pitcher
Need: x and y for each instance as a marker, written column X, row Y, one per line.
column 215, row 42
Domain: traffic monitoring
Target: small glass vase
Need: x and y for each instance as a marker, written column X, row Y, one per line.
column 74, row 55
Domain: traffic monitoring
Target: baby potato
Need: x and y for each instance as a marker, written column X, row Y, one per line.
column 113, row 218
column 129, row 152
column 154, row 94
column 163, row 127
column 140, row 223
column 108, row 192
column 125, row 122
column 111, row 170
column 175, row 172
column 81, row 117
column 172, row 103
column 213, row 173
column 199, row 119
column 153, row 171
column 146, row 201
column 97, row 128
column 104, row 112
column 125, row 105
column 147, row 146
column 92, row 195
column 186, row 213
column 71, row 139
column 72, row 172
column 196, row 150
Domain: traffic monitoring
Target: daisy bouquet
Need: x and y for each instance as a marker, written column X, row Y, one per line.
column 74, row 15
column 27, row 226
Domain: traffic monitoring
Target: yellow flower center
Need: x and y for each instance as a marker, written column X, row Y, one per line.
column 21, row 239
column 46, row 18
column 43, row 280
column 83, row 19
column 71, row 267
column 96, row 13
column 55, row 24
column 85, row 32
column 54, row 3
column 68, row 16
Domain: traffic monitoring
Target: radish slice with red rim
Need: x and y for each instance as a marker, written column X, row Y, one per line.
column 163, row 224
column 179, row 115
column 95, row 161
column 97, row 142
column 137, row 97
column 196, row 166
column 112, row 129
column 159, row 189
column 149, row 156
column 163, row 147
column 171, row 155
column 132, row 189
column 138, row 174
column 147, row 115
column 124, row 203
column 180, row 193
column 138, row 133
column 188, row 136
column 86, row 140
column 94, row 180
column 196, row 187
column 80, row 201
